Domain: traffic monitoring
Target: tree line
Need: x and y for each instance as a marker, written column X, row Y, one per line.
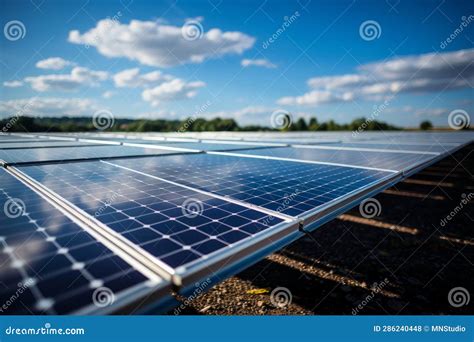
column 84, row 124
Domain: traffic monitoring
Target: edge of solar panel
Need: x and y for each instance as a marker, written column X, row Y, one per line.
column 219, row 263
column 138, row 298
column 354, row 196
column 408, row 173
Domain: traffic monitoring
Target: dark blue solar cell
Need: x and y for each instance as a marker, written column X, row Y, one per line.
column 216, row 228
column 209, row 246
column 180, row 258
column 142, row 234
column 169, row 227
column 190, row 237
column 161, row 247
column 232, row 236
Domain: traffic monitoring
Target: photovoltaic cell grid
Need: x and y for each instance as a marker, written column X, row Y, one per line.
column 172, row 223
column 380, row 160
column 16, row 157
column 291, row 188
column 49, row 264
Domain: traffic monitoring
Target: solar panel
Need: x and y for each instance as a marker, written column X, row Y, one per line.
column 368, row 159
column 413, row 148
column 50, row 264
column 265, row 183
column 421, row 138
column 44, row 143
column 179, row 226
column 16, row 157
column 206, row 146
column 21, row 140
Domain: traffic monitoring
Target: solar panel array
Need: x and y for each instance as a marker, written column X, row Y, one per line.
column 137, row 215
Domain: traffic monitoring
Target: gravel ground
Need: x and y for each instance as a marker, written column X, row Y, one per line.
column 403, row 261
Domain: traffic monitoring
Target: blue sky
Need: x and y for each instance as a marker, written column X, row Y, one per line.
column 248, row 59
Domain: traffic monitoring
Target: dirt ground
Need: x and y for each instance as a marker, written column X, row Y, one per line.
column 404, row 261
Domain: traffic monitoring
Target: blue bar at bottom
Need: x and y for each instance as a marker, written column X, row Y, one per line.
column 241, row 328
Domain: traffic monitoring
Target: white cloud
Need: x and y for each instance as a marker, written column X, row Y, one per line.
column 161, row 114
column 433, row 112
column 172, row 90
column 265, row 63
column 108, row 94
column 158, row 44
column 13, row 84
column 413, row 74
column 316, row 97
column 78, row 77
column 40, row 106
column 53, row 63
column 131, row 78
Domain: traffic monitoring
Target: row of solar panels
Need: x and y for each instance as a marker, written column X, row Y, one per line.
column 140, row 217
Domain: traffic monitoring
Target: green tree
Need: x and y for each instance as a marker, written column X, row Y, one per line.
column 426, row 125
column 313, row 124
column 299, row 125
